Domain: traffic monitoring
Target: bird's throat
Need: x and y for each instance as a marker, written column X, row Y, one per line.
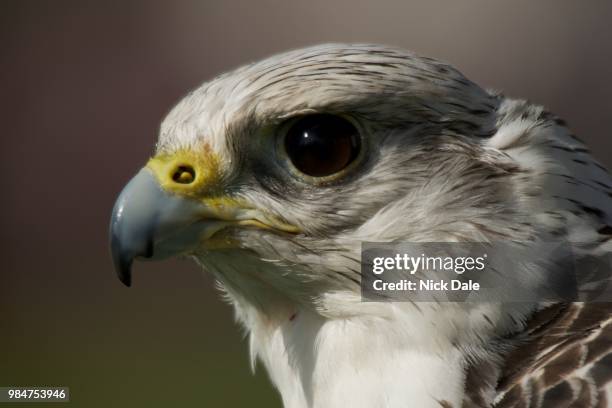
column 357, row 362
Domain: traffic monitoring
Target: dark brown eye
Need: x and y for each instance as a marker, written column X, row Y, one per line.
column 321, row 145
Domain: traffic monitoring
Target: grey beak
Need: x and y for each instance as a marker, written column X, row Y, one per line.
column 149, row 223
column 133, row 222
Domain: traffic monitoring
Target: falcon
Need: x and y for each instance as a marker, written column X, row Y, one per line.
column 271, row 176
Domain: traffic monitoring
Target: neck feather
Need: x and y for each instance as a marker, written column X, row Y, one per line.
column 409, row 356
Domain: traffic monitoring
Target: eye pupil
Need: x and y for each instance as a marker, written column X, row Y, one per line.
column 321, row 145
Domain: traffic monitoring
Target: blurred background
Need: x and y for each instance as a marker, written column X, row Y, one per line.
column 84, row 88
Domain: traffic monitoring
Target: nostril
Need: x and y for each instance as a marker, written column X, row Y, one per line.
column 184, row 175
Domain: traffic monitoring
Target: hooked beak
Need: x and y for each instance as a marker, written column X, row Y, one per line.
column 148, row 222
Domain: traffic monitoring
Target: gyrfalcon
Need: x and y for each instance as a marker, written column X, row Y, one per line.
column 271, row 176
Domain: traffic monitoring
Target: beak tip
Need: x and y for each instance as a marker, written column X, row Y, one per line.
column 127, row 281
column 123, row 267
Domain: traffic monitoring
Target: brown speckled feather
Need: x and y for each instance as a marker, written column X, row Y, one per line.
column 562, row 359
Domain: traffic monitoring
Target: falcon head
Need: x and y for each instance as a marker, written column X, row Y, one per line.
column 272, row 175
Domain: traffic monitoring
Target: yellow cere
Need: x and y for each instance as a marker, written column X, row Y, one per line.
column 186, row 172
